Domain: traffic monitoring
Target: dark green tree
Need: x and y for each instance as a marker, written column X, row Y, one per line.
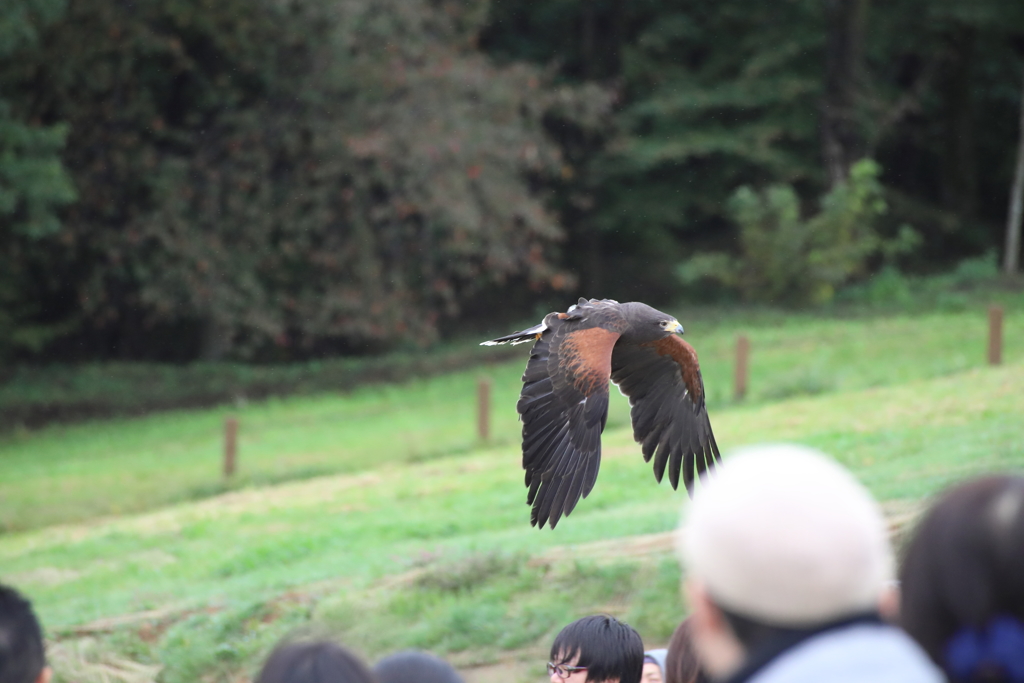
column 714, row 96
column 273, row 179
column 33, row 186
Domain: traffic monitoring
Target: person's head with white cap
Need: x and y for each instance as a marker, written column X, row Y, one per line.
column 783, row 539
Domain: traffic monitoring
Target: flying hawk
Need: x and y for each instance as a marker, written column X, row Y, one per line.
column 564, row 402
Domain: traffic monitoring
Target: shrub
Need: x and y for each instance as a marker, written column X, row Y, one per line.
column 785, row 258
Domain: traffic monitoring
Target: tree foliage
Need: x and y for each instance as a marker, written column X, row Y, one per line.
column 276, row 179
column 713, row 96
column 33, row 185
column 787, row 258
column 267, row 179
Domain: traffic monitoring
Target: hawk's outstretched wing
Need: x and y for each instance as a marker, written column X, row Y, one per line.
column 564, row 406
column 663, row 383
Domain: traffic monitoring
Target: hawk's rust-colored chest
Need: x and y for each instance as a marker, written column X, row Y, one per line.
column 588, row 354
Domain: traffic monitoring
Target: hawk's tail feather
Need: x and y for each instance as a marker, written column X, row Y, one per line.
column 531, row 334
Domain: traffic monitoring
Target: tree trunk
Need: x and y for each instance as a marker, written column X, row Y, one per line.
column 841, row 138
column 1011, row 259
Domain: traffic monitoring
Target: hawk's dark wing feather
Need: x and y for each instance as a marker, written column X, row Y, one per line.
column 663, row 382
column 564, row 406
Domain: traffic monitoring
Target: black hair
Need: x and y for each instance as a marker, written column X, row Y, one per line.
column 22, row 656
column 412, row 666
column 313, row 661
column 608, row 648
column 964, row 563
column 681, row 663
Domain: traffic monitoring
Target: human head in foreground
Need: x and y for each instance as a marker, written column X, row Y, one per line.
column 412, row 666
column 597, row 649
column 654, row 666
column 787, row 561
column 313, row 661
column 962, row 581
column 22, row 655
column 681, row 663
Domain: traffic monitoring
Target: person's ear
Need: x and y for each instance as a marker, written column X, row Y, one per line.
column 703, row 608
column 45, row 675
column 889, row 602
column 719, row 652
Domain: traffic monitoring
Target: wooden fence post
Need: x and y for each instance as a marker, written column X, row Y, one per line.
column 483, row 414
column 230, row 445
column 995, row 335
column 742, row 356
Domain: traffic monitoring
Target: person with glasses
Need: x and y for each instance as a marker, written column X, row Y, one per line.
column 597, row 649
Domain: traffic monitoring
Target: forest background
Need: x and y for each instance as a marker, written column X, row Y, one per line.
column 281, row 180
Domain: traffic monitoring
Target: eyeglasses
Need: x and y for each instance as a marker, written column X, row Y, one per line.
column 563, row 671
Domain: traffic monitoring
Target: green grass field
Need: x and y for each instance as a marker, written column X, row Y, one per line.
column 377, row 517
column 70, row 474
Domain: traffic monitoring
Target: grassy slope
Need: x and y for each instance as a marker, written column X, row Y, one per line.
column 437, row 552
column 903, row 441
column 65, row 474
column 237, row 551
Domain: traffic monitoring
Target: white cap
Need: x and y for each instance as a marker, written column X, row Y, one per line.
column 786, row 536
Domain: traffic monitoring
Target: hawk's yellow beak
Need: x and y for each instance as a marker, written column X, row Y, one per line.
column 674, row 327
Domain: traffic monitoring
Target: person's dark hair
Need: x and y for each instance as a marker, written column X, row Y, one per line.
column 607, row 647
column 962, row 570
column 681, row 663
column 412, row 666
column 313, row 661
column 22, row 655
